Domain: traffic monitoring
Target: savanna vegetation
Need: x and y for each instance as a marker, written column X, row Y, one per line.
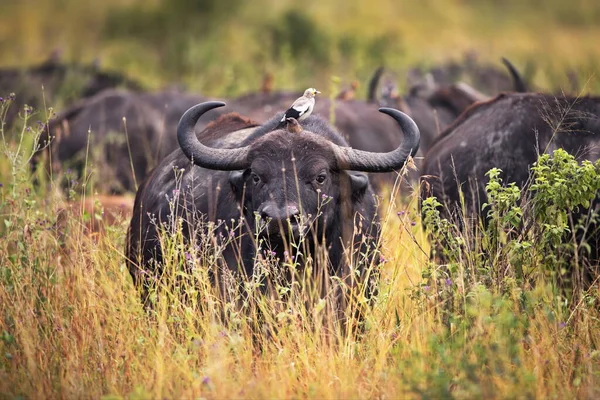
column 505, row 316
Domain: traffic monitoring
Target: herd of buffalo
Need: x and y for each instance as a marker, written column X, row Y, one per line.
column 223, row 164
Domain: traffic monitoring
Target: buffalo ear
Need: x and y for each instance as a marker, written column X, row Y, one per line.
column 237, row 179
column 358, row 182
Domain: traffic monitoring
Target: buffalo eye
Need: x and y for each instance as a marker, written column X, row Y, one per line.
column 255, row 178
column 321, row 178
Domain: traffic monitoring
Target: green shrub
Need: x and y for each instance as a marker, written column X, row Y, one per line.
column 523, row 232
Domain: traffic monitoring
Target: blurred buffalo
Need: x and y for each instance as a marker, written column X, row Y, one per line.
column 53, row 81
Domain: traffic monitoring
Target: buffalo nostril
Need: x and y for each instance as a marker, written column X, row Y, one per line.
column 268, row 211
column 292, row 211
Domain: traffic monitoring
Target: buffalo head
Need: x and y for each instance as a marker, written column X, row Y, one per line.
column 282, row 177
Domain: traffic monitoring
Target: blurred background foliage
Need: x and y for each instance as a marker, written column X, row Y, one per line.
column 224, row 47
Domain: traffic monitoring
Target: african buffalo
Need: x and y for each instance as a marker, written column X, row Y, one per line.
column 487, row 78
column 60, row 81
column 436, row 110
column 434, row 103
column 102, row 121
column 507, row 132
column 127, row 131
column 308, row 184
column 432, row 108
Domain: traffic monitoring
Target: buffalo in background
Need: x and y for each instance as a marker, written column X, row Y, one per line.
column 59, row 80
column 433, row 106
column 487, row 78
column 509, row 132
column 128, row 133
column 434, row 101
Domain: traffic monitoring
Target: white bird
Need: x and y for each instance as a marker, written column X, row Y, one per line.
column 302, row 107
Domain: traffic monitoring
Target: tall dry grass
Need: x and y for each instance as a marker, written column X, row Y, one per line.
column 72, row 324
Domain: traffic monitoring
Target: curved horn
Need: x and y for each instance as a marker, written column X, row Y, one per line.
column 518, row 82
column 366, row 161
column 373, row 83
column 201, row 155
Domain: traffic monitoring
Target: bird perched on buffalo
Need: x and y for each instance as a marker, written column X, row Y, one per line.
column 348, row 93
column 301, row 108
column 293, row 126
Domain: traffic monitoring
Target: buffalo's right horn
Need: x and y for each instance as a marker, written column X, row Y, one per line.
column 359, row 160
column 201, row 155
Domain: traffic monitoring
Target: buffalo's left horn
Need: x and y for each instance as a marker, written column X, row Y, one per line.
column 201, row 155
column 366, row 161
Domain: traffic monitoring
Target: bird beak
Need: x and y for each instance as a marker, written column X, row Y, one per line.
column 317, row 92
